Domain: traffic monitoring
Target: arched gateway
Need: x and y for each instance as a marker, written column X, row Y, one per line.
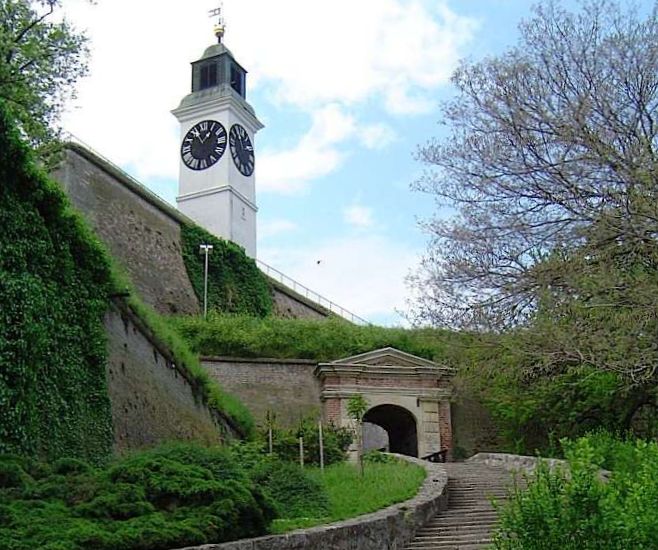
column 409, row 397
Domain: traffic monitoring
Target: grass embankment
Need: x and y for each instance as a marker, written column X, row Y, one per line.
column 319, row 340
column 351, row 495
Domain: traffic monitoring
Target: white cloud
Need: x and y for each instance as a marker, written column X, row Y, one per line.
column 322, row 58
column 359, row 216
column 364, row 274
column 273, row 228
column 315, row 155
column 376, row 136
column 349, row 51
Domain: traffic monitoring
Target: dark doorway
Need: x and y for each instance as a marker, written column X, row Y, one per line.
column 400, row 425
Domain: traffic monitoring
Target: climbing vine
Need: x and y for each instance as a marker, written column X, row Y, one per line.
column 54, row 288
column 235, row 284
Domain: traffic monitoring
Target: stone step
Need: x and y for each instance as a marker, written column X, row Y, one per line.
column 488, row 522
column 440, row 534
column 451, row 543
column 470, row 519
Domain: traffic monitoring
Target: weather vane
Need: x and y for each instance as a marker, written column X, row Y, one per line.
column 220, row 27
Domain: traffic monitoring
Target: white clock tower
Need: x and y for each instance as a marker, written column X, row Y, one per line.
column 216, row 186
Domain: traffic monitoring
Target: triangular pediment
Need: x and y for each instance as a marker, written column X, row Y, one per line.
column 386, row 357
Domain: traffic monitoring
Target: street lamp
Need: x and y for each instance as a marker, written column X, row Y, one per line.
column 205, row 249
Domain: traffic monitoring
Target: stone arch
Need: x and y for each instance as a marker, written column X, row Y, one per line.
column 399, row 423
column 411, row 391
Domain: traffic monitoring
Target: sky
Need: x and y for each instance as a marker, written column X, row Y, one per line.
column 347, row 91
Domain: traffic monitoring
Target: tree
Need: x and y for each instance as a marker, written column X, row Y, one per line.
column 551, row 162
column 357, row 406
column 40, row 61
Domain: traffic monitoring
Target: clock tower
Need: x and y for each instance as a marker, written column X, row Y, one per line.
column 216, row 186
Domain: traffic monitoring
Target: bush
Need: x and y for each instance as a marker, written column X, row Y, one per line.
column 293, row 492
column 336, row 441
column 377, row 457
column 173, row 496
column 290, row 489
column 578, row 510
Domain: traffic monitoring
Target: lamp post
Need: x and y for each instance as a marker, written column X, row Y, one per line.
column 205, row 249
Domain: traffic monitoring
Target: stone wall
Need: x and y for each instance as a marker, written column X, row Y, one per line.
column 139, row 229
column 142, row 232
column 291, row 305
column 152, row 401
column 526, row 465
column 287, row 387
column 474, row 429
column 389, row 529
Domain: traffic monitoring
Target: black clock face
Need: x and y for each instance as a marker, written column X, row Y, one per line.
column 242, row 150
column 203, row 145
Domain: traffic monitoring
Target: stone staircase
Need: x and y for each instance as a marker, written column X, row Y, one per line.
column 469, row 520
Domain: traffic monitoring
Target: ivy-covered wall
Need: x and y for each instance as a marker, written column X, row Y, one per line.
column 54, row 287
column 235, row 284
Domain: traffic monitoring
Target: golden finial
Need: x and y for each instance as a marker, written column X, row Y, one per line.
column 220, row 27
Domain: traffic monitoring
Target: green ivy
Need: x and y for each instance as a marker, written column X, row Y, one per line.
column 54, row 287
column 235, row 284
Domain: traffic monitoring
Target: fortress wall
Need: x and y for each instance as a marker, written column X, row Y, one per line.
column 288, row 304
column 139, row 229
column 152, row 401
column 474, row 429
column 286, row 387
column 142, row 232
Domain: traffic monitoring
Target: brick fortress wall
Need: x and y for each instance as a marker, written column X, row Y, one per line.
column 285, row 387
column 142, row 232
column 152, row 400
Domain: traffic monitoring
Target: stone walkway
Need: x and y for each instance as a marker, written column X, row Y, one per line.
column 469, row 520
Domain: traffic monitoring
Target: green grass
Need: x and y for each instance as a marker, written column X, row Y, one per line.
column 351, row 495
column 316, row 339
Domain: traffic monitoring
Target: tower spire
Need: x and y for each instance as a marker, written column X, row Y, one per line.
column 220, row 26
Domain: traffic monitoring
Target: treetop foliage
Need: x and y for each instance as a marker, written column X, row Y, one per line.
column 41, row 58
column 552, row 139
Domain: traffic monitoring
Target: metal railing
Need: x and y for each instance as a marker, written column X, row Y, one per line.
column 310, row 294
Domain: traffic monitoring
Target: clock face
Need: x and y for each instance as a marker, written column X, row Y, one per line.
column 203, row 145
column 242, row 150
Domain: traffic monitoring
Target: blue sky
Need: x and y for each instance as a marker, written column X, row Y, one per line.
column 347, row 91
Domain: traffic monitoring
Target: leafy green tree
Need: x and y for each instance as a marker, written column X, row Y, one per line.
column 41, row 58
column 548, row 140
column 357, row 406
column 551, row 168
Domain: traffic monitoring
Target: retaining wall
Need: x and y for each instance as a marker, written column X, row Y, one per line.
column 152, row 400
column 142, row 231
column 284, row 386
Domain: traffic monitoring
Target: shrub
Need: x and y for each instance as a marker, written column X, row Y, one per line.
column 578, row 510
column 336, row 441
column 168, row 497
column 293, row 492
column 377, row 457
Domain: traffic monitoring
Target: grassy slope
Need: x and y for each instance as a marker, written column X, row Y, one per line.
column 351, row 495
column 321, row 340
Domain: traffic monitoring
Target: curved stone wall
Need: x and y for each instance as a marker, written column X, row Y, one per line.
column 388, row 529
